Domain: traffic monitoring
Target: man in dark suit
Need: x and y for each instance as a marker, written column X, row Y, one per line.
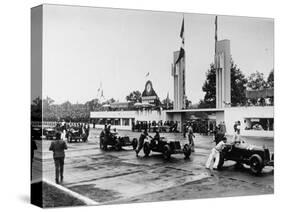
column 58, row 146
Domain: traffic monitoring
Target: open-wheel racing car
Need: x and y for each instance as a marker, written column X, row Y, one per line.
column 75, row 134
column 36, row 132
column 166, row 147
column 49, row 133
column 256, row 157
column 117, row 142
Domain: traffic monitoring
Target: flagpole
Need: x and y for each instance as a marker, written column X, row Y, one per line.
column 216, row 33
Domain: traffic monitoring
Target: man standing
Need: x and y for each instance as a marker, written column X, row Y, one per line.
column 143, row 135
column 58, row 146
column 190, row 136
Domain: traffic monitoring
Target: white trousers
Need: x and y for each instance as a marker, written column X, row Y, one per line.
column 214, row 155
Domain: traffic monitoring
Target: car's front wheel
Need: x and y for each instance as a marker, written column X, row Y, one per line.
column 167, row 152
column 146, row 149
column 186, row 151
column 134, row 143
column 256, row 164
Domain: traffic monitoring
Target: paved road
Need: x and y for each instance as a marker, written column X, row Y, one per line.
column 119, row 177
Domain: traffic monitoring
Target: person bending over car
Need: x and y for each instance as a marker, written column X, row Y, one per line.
column 215, row 154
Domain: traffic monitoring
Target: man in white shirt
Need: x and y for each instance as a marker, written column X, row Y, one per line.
column 215, row 154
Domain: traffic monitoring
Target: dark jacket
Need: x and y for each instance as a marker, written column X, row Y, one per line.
column 58, row 148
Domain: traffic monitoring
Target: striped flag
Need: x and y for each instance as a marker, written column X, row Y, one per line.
column 216, row 33
column 182, row 52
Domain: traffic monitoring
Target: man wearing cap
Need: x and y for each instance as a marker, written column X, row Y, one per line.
column 58, row 146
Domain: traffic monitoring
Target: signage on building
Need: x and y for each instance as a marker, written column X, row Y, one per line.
column 149, row 95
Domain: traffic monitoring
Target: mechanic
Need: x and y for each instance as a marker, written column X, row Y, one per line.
column 237, row 127
column 190, row 135
column 156, row 137
column 221, row 132
column 143, row 135
column 58, row 146
column 215, row 154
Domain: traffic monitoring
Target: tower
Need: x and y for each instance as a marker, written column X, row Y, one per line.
column 178, row 72
column 223, row 74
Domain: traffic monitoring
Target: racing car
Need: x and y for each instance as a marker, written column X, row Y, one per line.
column 166, row 147
column 36, row 132
column 256, row 157
column 75, row 134
column 49, row 133
column 115, row 141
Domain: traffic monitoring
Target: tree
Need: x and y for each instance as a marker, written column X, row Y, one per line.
column 134, row 96
column 270, row 79
column 93, row 104
column 238, row 87
column 209, row 87
column 36, row 109
column 256, row 81
column 109, row 101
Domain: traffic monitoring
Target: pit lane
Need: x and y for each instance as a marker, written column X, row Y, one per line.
column 120, row 177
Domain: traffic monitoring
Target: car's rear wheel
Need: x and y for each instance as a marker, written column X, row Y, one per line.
column 117, row 146
column 167, row 152
column 102, row 144
column 256, row 164
column 186, row 151
column 146, row 149
column 134, row 143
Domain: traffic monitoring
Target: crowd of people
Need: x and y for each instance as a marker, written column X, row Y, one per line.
column 153, row 126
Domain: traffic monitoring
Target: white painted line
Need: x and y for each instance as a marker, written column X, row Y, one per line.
column 82, row 198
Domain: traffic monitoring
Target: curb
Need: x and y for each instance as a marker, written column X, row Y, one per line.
column 84, row 199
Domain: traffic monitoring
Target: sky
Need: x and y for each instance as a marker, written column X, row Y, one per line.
column 85, row 48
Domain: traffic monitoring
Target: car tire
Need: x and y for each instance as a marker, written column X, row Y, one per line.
column 256, row 164
column 167, row 152
column 102, row 144
column 221, row 162
column 117, row 146
column 186, row 151
column 146, row 149
column 134, row 143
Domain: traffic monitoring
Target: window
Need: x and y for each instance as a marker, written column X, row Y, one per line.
column 265, row 124
column 125, row 122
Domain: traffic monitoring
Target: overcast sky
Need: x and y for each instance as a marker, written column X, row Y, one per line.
column 85, row 47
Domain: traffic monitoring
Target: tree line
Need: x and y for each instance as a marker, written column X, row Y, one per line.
column 239, row 84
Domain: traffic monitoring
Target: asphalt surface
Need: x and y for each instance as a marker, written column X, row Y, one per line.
column 111, row 176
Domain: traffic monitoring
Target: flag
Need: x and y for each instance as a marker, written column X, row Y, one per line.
column 216, row 33
column 147, row 74
column 182, row 52
column 182, row 30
